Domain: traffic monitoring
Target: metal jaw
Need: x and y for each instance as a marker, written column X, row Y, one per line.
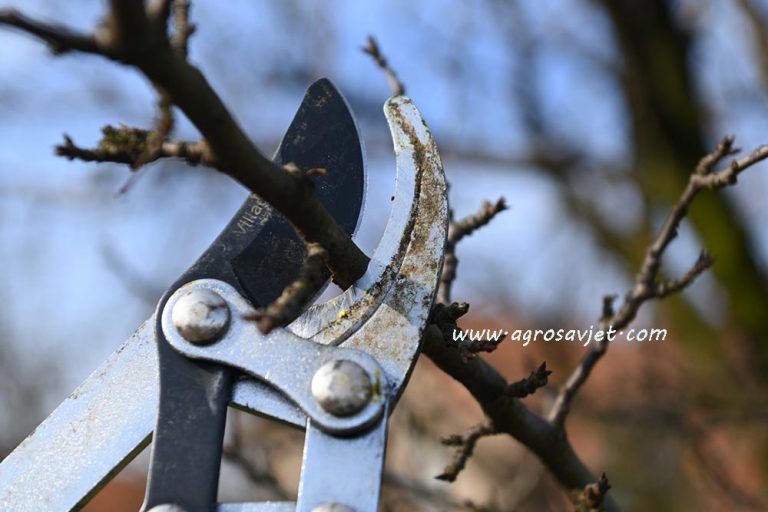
column 376, row 324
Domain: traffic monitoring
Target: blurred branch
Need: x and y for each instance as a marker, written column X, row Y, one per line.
column 591, row 497
column 646, row 285
column 233, row 452
column 125, row 145
column 465, row 446
column 759, row 26
column 135, row 37
column 372, row 49
column 528, row 386
column 458, row 231
column 58, row 38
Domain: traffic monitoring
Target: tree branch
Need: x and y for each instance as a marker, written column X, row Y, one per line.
column 372, row 49
column 128, row 36
column 124, row 145
column 58, row 38
column 458, row 231
column 646, row 286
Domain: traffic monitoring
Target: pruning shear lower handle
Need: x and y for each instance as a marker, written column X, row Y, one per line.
column 342, row 391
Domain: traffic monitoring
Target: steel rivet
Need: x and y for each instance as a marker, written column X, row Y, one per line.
column 201, row 316
column 342, row 387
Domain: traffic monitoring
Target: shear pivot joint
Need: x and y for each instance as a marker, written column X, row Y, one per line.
column 201, row 316
column 342, row 387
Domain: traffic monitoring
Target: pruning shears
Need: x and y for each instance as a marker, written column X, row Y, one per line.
column 336, row 371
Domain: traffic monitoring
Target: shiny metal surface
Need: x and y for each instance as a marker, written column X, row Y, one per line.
column 96, row 431
column 342, row 470
column 341, row 387
column 281, row 359
column 201, row 316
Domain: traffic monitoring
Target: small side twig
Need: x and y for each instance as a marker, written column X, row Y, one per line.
column 445, row 317
column 124, row 145
column 58, row 38
column 313, row 274
column 372, row 49
column 456, row 232
column 528, row 386
column 465, row 446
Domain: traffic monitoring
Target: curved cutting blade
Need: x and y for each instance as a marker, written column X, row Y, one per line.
column 384, row 313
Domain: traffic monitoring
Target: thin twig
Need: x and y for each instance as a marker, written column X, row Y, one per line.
column 58, row 38
column 313, row 274
column 372, row 49
column 465, row 446
column 458, row 231
column 529, row 385
column 129, row 35
column 591, row 497
column 646, row 285
column 124, row 145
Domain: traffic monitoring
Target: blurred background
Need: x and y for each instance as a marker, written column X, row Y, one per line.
column 587, row 116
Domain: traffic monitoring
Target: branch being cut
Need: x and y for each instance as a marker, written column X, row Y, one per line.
column 133, row 37
column 296, row 296
column 646, row 285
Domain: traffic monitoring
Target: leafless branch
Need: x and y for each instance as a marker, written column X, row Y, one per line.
column 59, row 39
column 124, row 145
column 372, row 49
column 528, row 386
column 646, row 285
column 591, row 497
column 458, row 231
column 465, row 446
column 129, row 36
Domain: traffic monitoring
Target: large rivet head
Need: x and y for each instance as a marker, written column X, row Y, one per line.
column 201, row 316
column 342, row 387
